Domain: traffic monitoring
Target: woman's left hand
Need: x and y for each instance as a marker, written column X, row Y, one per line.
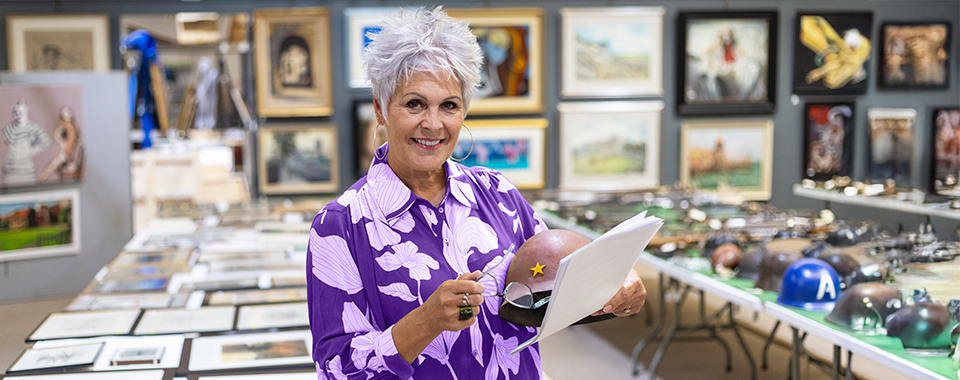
column 629, row 299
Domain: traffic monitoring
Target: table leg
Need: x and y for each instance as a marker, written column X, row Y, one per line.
column 837, row 353
column 795, row 355
column 677, row 312
column 746, row 351
column 849, row 365
column 654, row 331
column 766, row 345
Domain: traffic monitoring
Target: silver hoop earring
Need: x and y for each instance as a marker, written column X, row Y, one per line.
column 471, row 146
column 376, row 150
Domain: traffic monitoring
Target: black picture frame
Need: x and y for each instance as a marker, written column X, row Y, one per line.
column 365, row 129
column 944, row 148
column 704, row 90
column 807, row 61
column 828, row 131
column 896, row 52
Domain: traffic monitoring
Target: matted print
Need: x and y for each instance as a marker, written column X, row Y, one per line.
column 831, row 53
column 39, row 224
column 57, row 357
column 245, row 297
column 891, row 133
column 515, row 147
column 58, row 42
column 915, row 55
column 169, row 321
column 82, row 324
column 298, row 158
column 360, row 23
column 157, row 374
column 729, row 157
column 251, row 350
column 255, row 317
column 827, row 140
column 945, row 176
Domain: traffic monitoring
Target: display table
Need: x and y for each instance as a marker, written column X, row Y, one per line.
column 932, row 209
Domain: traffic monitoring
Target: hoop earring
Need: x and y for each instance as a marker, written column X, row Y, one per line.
column 471, row 146
column 376, row 150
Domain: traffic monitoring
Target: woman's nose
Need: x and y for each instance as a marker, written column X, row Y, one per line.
column 431, row 120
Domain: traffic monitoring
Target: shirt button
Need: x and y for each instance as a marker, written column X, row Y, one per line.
column 446, row 241
column 441, row 211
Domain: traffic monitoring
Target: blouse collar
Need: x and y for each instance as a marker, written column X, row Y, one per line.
column 387, row 182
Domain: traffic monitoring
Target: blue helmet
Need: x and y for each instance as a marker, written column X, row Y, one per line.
column 811, row 284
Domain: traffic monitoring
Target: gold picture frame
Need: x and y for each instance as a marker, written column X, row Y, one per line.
column 515, row 147
column 731, row 157
column 45, row 42
column 292, row 62
column 298, row 158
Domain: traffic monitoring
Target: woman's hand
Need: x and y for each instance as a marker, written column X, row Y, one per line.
column 629, row 299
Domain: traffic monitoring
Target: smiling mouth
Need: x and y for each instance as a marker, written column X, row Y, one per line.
column 428, row 142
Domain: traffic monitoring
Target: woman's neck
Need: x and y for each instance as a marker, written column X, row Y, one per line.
column 431, row 185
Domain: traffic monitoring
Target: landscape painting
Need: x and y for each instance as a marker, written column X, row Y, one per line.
column 39, row 224
column 730, row 157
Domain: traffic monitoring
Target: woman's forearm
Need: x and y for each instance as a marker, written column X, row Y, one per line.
column 411, row 335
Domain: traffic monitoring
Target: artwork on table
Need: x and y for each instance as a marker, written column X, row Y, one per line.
column 157, row 374
column 610, row 146
column 292, row 60
column 271, row 349
column 369, row 136
column 158, row 300
column 731, row 157
column 244, row 297
column 137, row 355
column 42, row 139
column 611, row 52
column 269, row 376
column 169, row 321
column 162, row 257
column 946, row 150
column 727, row 63
column 58, row 42
column 831, row 53
column 82, row 324
column 255, row 317
column 57, row 357
column 915, row 55
column 891, row 133
column 515, row 147
column 39, row 224
column 827, row 140
column 511, row 77
column 133, row 285
column 298, row 158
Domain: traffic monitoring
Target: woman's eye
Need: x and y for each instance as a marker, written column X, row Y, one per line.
column 450, row 105
column 414, row 103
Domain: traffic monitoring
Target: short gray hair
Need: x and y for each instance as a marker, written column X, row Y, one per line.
column 421, row 41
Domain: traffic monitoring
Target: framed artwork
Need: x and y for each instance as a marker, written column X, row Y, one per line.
column 610, row 146
column 727, row 63
column 57, row 357
column 158, row 284
column 511, row 78
column 137, row 355
column 258, row 296
column 827, row 140
column 157, row 374
column 359, row 23
column 945, row 170
column 43, row 140
column 292, row 62
column 282, row 375
column 515, row 147
column 914, row 55
column 271, row 349
column 58, row 42
column 159, row 300
column 137, row 259
column 731, row 157
column 172, row 321
column 83, row 324
column 891, row 133
column 256, row 317
column 831, row 53
column 611, row 52
column 39, row 224
column 368, row 136
column 298, row 158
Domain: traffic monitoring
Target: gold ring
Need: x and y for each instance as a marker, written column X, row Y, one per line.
column 627, row 310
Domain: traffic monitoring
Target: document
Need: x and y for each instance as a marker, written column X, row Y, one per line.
column 592, row 275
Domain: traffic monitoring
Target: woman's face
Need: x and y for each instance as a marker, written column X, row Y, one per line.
column 423, row 123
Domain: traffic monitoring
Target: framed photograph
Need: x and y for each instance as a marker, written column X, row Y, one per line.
column 132, row 285
column 945, row 168
column 292, row 61
column 914, row 55
column 515, row 147
column 256, row 317
column 258, row 296
column 511, row 78
column 83, row 324
column 145, row 271
column 137, row 355
column 727, row 63
column 225, row 284
column 169, row 348
column 611, row 51
column 159, row 257
column 298, row 158
column 610, row 146
column 172, row 321
column 58, row 42
column 39, row 224
column 57, row 357
column 827, row 140
column 283, row 375
column 891, row 135
column 271, row 349
column 831, row 53
column 360, row 22
column 157, row 374
column 158, row 300
column 368, row 136
column 728, row 156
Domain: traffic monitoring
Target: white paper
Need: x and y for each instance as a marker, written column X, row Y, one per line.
column 254, row 317
column 592, row 275
column 173, row 345
column 271, row 376
column 124, row 375
column 207, row 353
column 79, row 324
column 205, row 319
column 57, row 357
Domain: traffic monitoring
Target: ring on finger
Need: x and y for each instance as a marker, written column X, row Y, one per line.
column 627, row 310
column 466, row 302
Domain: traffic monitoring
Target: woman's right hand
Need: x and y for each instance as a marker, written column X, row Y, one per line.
column 442, row 309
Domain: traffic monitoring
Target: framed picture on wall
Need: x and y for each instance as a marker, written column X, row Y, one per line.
column 297, row 158
column 511, row 77
column 515, row 147
column 39, row 224
column 610, row 146
column 914, row 55
column 732, row 157
column 292, row 62
column 359, row 23
column 827, row 140
column 891, row 133
column 831, row 53
column 58, row 42
column 611, row 52
column 945, row 145
column 368, row 136
column 727, row 63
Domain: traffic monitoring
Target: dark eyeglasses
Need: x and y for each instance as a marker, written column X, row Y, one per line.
column 516, row 293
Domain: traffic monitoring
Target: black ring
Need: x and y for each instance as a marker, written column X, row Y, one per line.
column 466, row 312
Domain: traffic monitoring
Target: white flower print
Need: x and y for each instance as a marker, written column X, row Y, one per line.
column 476, row 342
column 504, row 184
column 390, row 195
column 353, row 319
column 462, row 191
column 512, row 213
column 380, row 234
column 335, row 368
column 500, row 358
column 430, row 216
column 347, row 197
column 333, row 264
column 407, row 256
column 362, row 346
column 466, row 232
column 403, row 223
column 440, row 347
column 399, row 290
column 495, row 280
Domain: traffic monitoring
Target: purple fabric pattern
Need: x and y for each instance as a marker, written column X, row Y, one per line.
column 379, row 251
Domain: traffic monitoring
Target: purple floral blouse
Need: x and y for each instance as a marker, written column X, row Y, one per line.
column 378, row 251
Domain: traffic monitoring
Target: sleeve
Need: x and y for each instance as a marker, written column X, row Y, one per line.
column 346, row 344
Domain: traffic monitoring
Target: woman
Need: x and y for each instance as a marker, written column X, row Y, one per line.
column 394, row 259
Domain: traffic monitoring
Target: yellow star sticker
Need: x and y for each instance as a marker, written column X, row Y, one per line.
column 537, row 269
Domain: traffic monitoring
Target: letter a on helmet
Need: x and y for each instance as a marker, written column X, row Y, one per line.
column 826, row 285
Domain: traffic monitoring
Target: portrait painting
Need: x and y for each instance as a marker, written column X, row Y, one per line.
column 728, row 157
column 891, row 133
column 915, row 55
column 58, row 42
column 610, row 146
column 946, row 150
column 827, row 140
column 39, row 224
column 515, row 147
column 297, row 158
column 609, row 52
column 368, row 136
column 42, row 139
column 831, row 53
column 728, row 63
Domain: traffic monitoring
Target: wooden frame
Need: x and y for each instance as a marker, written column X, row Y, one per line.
column 892, row 132
column 945, row 151
column 611, row 52
column 297, row 35
column 58, row 236
column 736, row 76
column 320, row 146
column 515, row 147
column 610, row 146
column 58, row 42
column 899, row 55
column 822, row 56
column 523, row 92
column 738, row 151
column 827, row 140
column 367, row 134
